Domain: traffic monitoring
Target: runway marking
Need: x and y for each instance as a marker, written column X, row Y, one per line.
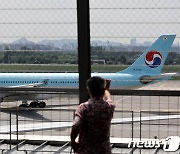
column 60, row 125
column 149, row 111
column 120, row 100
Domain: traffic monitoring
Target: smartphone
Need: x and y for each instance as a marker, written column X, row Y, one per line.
column 108, row 82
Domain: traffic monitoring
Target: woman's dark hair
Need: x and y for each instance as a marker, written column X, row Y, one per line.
column 96, row 86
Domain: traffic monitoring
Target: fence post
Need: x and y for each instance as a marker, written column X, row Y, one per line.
column 83, row 47
column 10, row 122
column 17, row 131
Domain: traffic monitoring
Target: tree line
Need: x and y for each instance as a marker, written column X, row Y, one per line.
column 50, row 57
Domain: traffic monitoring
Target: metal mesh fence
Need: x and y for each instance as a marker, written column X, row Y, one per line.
column 129, row 28
column 124, row 20
column 48, row 27
column 38, row 20
column 45, row 32
column 138, row 116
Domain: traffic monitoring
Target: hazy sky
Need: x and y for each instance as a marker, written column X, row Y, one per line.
column 113, row 20
column 135, row 18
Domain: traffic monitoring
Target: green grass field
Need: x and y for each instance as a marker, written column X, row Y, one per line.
column 73, row 68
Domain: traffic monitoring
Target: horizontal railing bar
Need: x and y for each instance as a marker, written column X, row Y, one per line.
column 76, row 91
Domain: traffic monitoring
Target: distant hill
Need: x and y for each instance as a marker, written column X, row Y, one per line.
column 60, row 45
column 71, row 45
column 23, row 41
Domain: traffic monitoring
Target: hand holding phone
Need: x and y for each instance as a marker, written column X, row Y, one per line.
column 108, row 81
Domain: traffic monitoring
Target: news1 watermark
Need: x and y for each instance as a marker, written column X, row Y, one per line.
column 170, row 144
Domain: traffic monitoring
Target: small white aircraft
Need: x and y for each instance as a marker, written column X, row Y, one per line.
column 145, row 70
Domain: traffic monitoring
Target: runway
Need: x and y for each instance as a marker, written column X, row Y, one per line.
column 61, row 109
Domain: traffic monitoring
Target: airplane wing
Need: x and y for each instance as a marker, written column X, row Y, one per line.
column 43, row 83
column 21, row 95
column 63, row 125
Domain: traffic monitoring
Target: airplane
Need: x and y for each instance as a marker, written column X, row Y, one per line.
column 145, row 70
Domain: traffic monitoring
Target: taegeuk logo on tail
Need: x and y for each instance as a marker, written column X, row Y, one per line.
column 153, row 59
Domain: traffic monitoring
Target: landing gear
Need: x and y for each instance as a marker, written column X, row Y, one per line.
column 42, row 104
column 34, row 104
column 24, row 104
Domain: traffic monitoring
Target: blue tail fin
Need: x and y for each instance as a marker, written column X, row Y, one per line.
column 153, row 59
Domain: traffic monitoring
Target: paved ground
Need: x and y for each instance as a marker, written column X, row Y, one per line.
column 126, row 107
